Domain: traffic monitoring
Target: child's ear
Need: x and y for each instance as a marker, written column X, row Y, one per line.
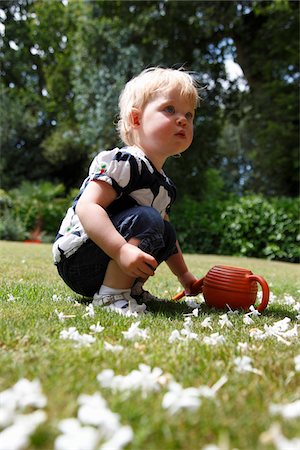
column 135, row 117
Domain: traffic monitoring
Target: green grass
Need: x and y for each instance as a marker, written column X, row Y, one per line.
column 31, row 347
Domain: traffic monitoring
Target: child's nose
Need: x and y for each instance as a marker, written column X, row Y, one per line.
column 181, row 121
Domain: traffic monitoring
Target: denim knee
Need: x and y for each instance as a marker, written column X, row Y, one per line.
column 157, row 237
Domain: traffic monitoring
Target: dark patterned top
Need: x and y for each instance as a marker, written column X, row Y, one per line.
column 136, row 182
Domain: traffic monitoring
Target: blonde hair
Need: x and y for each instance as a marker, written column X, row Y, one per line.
column 142, row 88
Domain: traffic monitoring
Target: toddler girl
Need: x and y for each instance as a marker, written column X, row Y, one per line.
column 117, row 231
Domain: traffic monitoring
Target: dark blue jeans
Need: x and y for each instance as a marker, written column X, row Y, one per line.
column 84, row 271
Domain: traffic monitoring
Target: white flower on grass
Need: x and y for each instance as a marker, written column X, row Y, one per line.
column 76, row 437
column 134, row 332
column 192, row 304
column 214, row 339
column 16, row 436
column 186, row 331
column 232, row 311
column 23, row 394
column 15, row 424
column 178, row 398
column 257, row 334
column 184, row 334
column 55, row 298
column 210, row 392
column 194, row 313
column 280, row 330
column 206, row 323
column 297, row 363
column 70, row 333
column 287, row 411
column 274, row 436
column 113, row 348
column 242, row 346
column 145, row 379
column 224, row 321
column 247, row 320
column 96, row 328
column 121, row 437
column 11, row 298
column 253, row 312
column 174, row 336
column 89, row 311
column 95, row 428
column 80, row 339
column 288, row 299
column 296, row 306
column 244, row 364
column 60, row 315
column 211, row 447
column 93, row 411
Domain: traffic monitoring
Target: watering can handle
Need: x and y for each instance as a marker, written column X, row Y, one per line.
column 195, row 290
column 265, row 291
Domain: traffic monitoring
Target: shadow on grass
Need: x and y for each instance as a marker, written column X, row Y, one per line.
column 171, row 308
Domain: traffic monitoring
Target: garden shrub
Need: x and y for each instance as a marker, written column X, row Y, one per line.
column 198, row 225
column 262, row 228
column 22, row 208
column 250, row 226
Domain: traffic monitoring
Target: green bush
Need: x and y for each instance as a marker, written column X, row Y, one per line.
column 263, row 228
column 197, row 225
column 250, row 226
column 23, row 208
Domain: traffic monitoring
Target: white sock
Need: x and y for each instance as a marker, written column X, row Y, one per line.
column 105, row 290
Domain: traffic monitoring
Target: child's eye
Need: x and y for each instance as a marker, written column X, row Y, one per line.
column 170, row 109
column 189, row 116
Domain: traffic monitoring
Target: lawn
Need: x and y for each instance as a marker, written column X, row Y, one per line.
column 254, row 405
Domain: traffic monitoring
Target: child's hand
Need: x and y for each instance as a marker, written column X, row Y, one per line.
column 187, row 280
column 136, row 263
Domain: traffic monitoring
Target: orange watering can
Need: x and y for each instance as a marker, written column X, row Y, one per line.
column 230, row 286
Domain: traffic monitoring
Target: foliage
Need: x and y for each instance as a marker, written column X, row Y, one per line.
column 248, row 226
column 64, row 66
column 31, row 205
column 254, row 226
column 238, row 416
column 219, row 224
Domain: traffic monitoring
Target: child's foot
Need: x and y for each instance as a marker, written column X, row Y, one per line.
column 141, row 295
column 121, row 303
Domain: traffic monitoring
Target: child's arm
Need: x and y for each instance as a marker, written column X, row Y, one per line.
column 178, row 266
column 91, row 210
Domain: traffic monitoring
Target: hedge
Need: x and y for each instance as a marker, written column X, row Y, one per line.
column 251, row 226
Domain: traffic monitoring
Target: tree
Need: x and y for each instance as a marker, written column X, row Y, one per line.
column 65, row 64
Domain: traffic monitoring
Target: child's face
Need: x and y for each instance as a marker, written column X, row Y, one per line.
column 166, row 124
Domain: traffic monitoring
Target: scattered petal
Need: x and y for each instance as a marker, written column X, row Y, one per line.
column 275, row 436
column 178, row 398
column 134, row 332
column 90, row 312
column 297, row 363
column 214, row 339
column 96, row 328
column 244, row 364
column 206, row 323
column 224, row 321
column 287, row 411
column 113, row 348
